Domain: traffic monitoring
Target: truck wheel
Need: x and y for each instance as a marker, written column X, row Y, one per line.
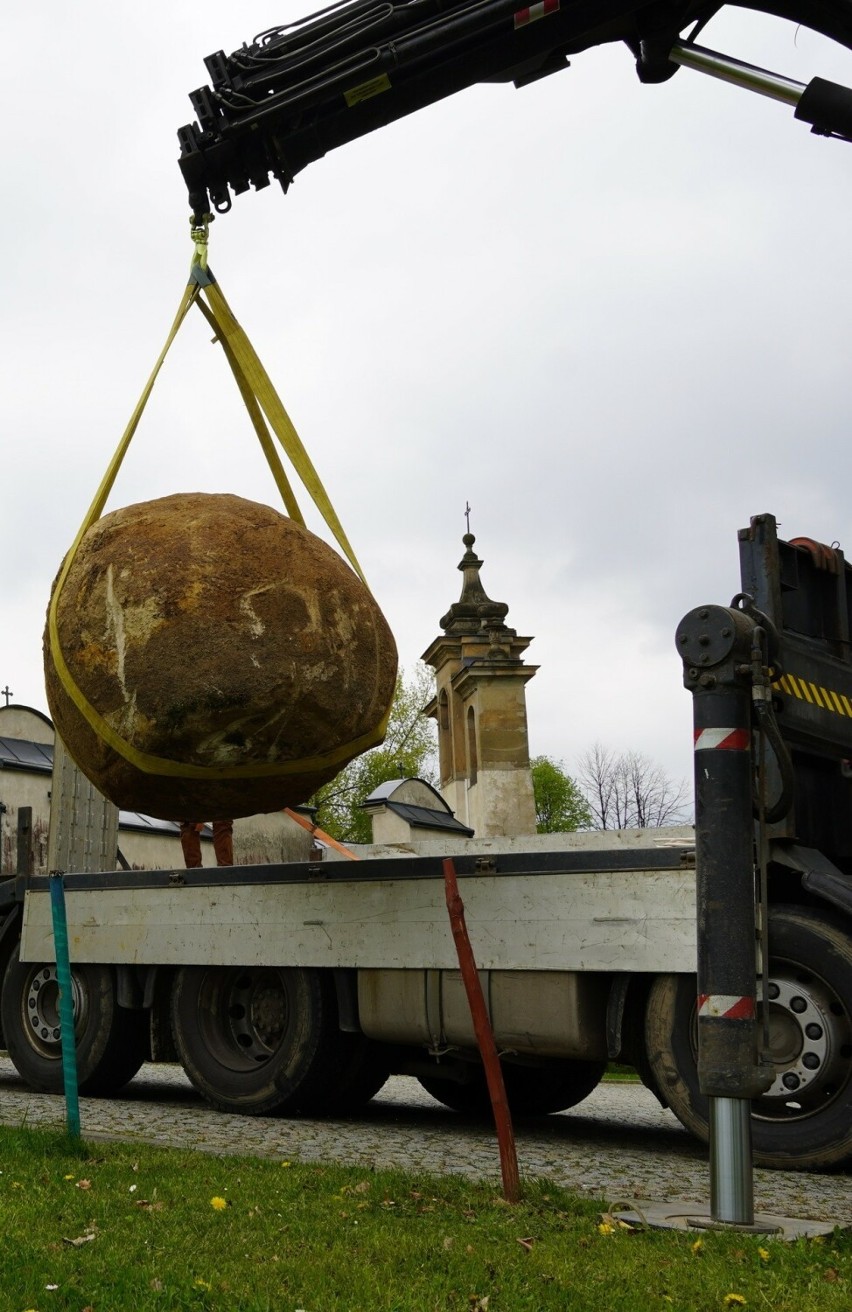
column 538, row 1091
column 111, row 1041
column 257, row 1040
column 531, row 1090
column 361, row 1070
column 804, row 1121
column 10, row 933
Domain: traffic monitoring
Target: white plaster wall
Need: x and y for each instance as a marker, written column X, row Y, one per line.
column 23, row 722
column 501, row 803
column 388, row 827
column 598, row 840
column 17, row 789
column 258, row 840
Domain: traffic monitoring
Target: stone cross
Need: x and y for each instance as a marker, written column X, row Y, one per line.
column 7, row 693
column 467, row 514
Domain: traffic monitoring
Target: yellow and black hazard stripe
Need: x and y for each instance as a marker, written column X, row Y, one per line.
column 837, row 703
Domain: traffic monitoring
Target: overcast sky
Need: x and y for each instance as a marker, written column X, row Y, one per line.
column 616, row 319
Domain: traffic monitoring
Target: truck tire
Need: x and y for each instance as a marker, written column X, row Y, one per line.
column 10, row 933
column 804, row 1121
column 111, row 1041
column 257, row 1040
column 361, row 1071
column 531, row 1090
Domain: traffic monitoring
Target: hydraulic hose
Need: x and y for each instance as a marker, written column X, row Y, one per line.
column 768, row 725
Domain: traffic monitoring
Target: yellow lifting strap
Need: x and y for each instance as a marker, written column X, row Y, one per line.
column 260, row 399
column 259, row 396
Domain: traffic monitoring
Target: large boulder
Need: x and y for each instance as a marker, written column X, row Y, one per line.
column 213, row 632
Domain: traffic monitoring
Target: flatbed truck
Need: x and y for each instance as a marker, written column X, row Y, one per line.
column 297, row 988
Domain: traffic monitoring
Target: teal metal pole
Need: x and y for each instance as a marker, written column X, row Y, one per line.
column 66, row 1003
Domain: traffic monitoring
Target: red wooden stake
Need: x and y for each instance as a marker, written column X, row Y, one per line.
column 484, row 1038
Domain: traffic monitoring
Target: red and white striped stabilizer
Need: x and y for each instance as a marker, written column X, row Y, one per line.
column 534, row 12
column 721, row 740
column 725, row 1006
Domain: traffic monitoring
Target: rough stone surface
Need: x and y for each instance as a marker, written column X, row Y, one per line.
column 213, row 631
column 618, row 1145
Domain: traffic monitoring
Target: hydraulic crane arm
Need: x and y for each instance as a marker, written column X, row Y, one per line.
column 298, row 91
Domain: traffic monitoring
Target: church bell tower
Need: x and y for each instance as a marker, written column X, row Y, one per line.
column 480, row 706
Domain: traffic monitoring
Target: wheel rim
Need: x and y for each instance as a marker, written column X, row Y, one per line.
column 810, row 1044
column 244, row 1016
column 40, row 1003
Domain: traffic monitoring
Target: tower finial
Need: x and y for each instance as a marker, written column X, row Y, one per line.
column 467, row 514
column 474, row 612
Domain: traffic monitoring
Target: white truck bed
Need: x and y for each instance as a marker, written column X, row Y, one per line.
column 591, row 908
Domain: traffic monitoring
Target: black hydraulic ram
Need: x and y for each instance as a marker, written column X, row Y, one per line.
column 717, row 645
column 827, row 106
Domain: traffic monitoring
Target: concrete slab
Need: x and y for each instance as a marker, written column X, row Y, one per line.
column 680, row 1215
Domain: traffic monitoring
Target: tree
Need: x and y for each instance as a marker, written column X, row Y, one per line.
column 560, row 806
column 408, row 751
column 629, row 791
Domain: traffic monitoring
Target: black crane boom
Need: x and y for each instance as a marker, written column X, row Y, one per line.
column 298, row 91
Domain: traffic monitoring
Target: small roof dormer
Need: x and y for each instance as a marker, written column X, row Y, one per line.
column 399, row 807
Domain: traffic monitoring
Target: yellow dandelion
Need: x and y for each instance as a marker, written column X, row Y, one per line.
column 698, row 1247
column 285, row 1163
column 734, row 1300
column 763, row 1254
column 606, row 1229
column 202, row 1284
column 67, row 1177
column 218, row 1204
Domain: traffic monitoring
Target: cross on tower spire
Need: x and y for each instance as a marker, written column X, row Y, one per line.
column 7, row 693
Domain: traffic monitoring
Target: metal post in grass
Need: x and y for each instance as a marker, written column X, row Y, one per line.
column 484, row 1037
column 66, row 1002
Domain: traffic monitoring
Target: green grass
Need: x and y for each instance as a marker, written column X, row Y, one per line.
column 616, row 1074
column 124, row 1228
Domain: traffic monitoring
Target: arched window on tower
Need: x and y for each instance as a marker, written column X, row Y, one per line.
column 472, row 756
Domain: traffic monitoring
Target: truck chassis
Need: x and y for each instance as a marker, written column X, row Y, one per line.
column 297, row 989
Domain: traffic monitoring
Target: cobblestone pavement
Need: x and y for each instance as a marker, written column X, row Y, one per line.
column 618, row 1145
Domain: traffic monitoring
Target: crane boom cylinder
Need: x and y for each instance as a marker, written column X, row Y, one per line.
column 743, row 75
column 827, row 106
